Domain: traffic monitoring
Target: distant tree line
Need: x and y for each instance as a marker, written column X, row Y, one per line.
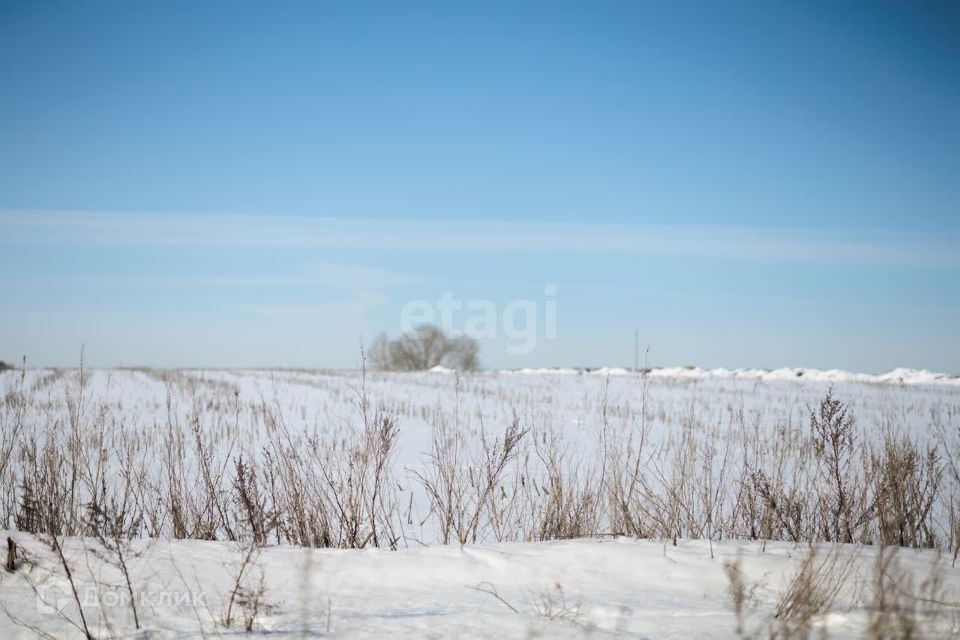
column 424, row 348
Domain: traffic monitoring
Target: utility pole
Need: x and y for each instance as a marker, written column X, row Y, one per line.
column 636, row 349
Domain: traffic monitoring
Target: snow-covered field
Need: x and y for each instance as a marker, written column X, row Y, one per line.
column 569, row 402
column 694, row 438
column 562, row 589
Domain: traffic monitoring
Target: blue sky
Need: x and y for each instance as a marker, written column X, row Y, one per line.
column 746, row 184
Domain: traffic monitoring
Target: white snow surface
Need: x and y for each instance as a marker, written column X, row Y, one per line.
column 596, row 588
column 442, row 369
column 606, row 587
column 568, row 401
column 900, row 375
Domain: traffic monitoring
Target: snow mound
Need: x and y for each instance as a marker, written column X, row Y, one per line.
column 900, row 376
column 612, row 371
column 442, row 369
column 544, row 372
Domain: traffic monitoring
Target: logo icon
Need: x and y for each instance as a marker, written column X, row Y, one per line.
column 52, row 600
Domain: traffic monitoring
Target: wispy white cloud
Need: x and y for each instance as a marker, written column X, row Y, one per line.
column 764, row 244
column 337, row 276
column 359, row 303
column 162, row 281
column 354, row 277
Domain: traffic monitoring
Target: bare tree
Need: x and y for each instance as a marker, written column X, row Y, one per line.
column 425, row 347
